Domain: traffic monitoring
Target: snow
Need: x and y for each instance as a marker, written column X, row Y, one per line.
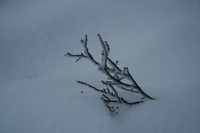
column 157, row 40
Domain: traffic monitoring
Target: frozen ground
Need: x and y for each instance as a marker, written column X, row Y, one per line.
column 157, row 40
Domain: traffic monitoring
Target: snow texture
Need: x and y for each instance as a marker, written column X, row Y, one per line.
column 158, row 40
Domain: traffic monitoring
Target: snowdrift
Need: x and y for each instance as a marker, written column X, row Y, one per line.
column 157, row 40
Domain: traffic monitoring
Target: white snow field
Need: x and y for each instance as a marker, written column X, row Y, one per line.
column 159, row 40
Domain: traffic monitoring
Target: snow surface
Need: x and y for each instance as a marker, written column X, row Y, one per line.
column 158, row 40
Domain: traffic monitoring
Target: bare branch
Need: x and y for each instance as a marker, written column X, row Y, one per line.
column 81, row 82
column 116, row 93
column 114, row 74
column 114, row 65
column 79, row 56
column 126, row 102
column 104, row 52
column 108, row 99
column 76, row 55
